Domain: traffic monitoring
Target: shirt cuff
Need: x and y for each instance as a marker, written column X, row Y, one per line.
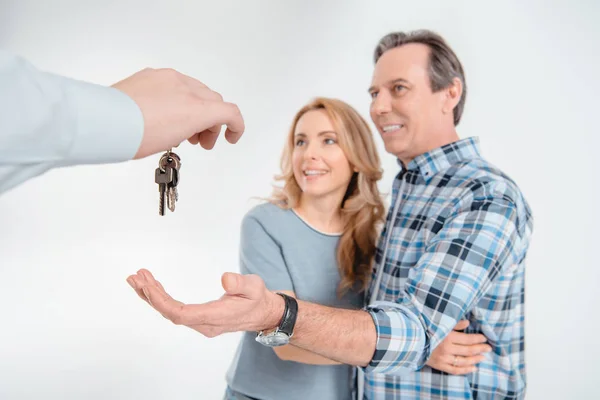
column 401, row 340
column 109, row 124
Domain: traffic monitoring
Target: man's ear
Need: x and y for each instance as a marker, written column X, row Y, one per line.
column 453, row 94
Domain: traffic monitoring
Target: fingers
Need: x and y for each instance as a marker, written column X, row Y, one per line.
column 471, row 350
column 230, row 282
column 162, row 302
column 142, row 282
column 210, row 318
column 463, row 324
column 232, row 135
column 132, row 280
column 458, row 361
column 176, row 107
column 229, row 115
column 212, row 114
column 456, row 365
column 449, row 368
column 466, row 339
column 146, row 275
column 208, row 138
column 458, row 370
column 459, row 353
column 249, row 286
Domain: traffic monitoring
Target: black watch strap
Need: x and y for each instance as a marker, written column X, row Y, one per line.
column 289, row 315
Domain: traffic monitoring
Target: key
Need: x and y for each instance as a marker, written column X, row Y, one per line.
column 171, row 198
column 171, row 162
column 162, row 176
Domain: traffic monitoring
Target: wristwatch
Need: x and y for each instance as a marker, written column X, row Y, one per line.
column 282, row 334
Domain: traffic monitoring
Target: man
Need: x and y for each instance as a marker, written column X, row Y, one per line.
column 49, row 121
column 453, row 247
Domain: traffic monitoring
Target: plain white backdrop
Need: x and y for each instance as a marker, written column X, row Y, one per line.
column 70, row 326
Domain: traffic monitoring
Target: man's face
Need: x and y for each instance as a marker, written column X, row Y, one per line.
column 407, row 114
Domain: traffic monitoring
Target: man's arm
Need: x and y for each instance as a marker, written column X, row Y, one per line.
column 293, row 353
column 460, row 263
column 49, row 121
column 347, row 336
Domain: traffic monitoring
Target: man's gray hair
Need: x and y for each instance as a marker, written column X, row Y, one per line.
column 444, row 65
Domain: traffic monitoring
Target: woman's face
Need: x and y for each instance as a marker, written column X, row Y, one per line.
column 320, row 165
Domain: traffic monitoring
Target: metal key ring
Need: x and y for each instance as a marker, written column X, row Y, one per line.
column 169, row 158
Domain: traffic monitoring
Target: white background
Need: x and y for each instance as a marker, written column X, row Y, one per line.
column 70, row 326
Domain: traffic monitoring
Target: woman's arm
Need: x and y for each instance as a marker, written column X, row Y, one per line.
column 293, row 353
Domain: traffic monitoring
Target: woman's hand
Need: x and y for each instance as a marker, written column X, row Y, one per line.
column 460, row 352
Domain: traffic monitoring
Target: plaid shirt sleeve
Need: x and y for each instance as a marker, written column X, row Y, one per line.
column 465, row 251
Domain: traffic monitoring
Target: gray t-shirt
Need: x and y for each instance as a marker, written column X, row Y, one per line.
column 288, row 254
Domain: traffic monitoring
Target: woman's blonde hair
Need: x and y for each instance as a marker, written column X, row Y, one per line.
column 362, row 207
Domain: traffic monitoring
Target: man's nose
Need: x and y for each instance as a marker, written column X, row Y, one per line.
column 382, row 104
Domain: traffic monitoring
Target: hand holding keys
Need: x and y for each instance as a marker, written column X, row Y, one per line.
column 189, row 109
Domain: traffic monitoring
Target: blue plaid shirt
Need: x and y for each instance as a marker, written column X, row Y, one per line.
column 453, row 247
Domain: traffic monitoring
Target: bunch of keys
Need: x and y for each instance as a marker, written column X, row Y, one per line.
column 167, row 178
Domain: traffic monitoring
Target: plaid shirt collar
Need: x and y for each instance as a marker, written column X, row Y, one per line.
column 439, row 159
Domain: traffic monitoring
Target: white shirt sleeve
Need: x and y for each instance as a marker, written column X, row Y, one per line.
column 49, row 121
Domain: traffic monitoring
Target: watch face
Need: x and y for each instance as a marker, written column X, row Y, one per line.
column 273, row 339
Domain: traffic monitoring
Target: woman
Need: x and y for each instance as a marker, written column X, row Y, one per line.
column 315, row 240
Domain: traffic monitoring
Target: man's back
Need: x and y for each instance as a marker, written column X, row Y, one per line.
column 457, row 248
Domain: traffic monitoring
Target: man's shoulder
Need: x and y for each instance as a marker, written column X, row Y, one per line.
column 480, row 178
